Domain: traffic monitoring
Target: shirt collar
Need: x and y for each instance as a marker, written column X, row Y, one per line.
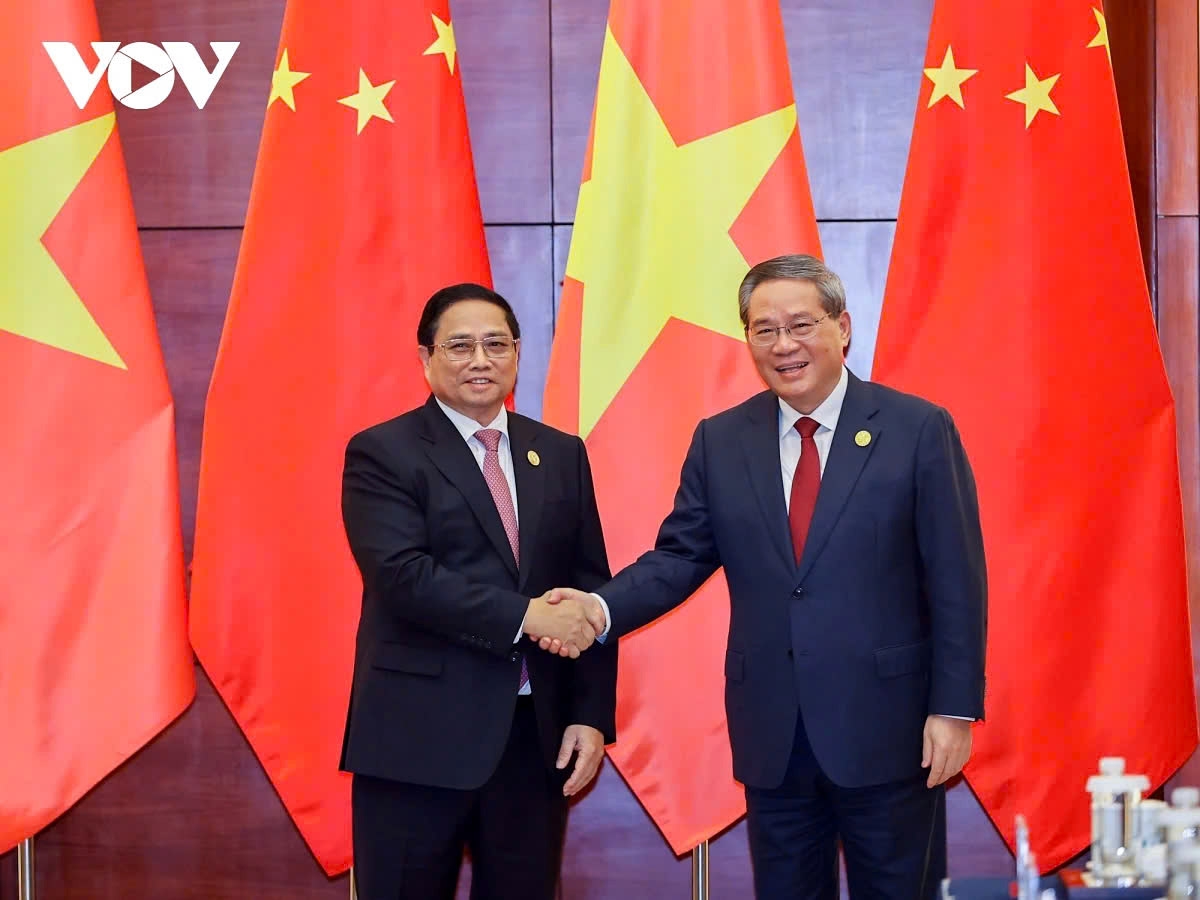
column 467, row 426
column 826, row 414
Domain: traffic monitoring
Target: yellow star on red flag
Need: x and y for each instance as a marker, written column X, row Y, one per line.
column 36, row 180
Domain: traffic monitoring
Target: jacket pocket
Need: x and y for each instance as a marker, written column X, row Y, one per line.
column 403, row 658
column 905, row 659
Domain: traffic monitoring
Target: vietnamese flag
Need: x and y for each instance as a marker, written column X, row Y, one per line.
column 1017, row 300
column 363, row 204
column 694, row 172
column 94, row 659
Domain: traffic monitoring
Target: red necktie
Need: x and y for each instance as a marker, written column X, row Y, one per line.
column 806, row 483
column 502, row 497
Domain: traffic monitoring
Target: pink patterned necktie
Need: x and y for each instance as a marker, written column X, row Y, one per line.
column 498, row 485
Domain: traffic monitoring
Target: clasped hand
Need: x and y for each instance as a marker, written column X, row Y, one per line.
column 564, row 621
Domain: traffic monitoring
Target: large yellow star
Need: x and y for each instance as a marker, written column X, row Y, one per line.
column 948, row 80
column 36, row 300
column 651, row 238
column 369, row 101
column 1035, row 95
column 283, row 80
column 445, row 43
column 1101, row 38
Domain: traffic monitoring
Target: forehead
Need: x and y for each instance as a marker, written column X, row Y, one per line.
column 472, row 317
column 784, row 298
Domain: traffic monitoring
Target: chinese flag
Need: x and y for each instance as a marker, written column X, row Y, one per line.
column 94, row 659
column 694, row 172
column 363, row 204
column 1016, row 299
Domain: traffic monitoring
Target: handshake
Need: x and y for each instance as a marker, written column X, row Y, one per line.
column 564, row 621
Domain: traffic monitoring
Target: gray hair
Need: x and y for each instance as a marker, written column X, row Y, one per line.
column 798, row 267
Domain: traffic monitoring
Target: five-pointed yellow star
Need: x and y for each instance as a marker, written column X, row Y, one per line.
column 369, row 101
column 445, row 42
column 1101, row 38
column 948, row 80
column 36, row 300
column 1035, row 95
column 283, row 80
column 651, row 238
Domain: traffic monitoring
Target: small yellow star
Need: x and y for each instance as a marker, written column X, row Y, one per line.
column 283, row 80
column 445, row 43
column 948, row 80
column 1035, row 95
column 369, row 101
column 1101, row 38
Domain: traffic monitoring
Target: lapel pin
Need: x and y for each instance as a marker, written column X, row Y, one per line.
column 862, row 438
column 534, row 459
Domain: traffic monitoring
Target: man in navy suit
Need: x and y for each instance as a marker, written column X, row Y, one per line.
column 845, row 516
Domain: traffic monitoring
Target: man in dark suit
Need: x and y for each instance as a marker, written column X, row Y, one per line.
column 457, row 513
column 845, row 516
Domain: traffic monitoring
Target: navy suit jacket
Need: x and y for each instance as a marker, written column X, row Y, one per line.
column 435, row 670
column 883, row 620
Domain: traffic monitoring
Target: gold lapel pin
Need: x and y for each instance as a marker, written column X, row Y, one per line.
column 534, row 459
column 862, row 438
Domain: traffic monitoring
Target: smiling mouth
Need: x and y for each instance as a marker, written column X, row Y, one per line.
column 479, row 381
column 791, row 368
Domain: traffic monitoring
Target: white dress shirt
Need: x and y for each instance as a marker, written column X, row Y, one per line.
column 826, row 416
column 467, row 427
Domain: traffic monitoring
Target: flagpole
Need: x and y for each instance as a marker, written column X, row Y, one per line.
column 700, row 871
column 353, row 886
column 25, row 869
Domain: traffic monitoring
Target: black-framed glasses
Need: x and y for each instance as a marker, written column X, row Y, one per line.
column 800, row 330
column 462, row 349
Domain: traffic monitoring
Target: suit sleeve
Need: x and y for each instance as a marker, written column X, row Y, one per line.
column 684, row 555
column 950, row 541
column 594, row 690
column 385, row 527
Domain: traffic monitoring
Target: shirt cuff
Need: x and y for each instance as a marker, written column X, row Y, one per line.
column 960, row 718
column 607, row 619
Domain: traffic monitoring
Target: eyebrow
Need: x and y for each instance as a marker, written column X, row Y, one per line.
column 466, row 335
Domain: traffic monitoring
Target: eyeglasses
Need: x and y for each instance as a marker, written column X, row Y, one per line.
column 462, row 349
column 800, row 330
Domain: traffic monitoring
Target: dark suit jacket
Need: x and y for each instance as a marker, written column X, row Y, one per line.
column 879, row 625
column 436, row 671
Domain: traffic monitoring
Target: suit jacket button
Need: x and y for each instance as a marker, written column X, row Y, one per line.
column 798, row 592
column 789, row 652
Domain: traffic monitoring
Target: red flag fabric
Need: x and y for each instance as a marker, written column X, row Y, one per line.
column 694, row 171
column 94, row 659
column 363, row 204
column 1016, row 298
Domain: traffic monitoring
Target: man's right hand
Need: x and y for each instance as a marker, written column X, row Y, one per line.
column 570, row 626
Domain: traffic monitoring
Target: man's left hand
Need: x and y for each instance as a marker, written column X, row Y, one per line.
column 588, row 742
column 947, row 747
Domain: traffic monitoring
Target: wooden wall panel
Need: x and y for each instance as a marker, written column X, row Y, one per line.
column 504, row 49
column 192, row 817
column 190, row 274
column 522, row 271
column 190, row 167
column 1178, row 74
column 1179, row 334
column 1131, row 34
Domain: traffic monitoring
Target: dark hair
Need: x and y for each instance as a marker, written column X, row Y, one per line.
column 457, row 293
column 794, row 267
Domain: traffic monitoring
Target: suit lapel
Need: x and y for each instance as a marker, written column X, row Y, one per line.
column 522, row 437
column 453, row 458
column 760, row 441
column 842, row 468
